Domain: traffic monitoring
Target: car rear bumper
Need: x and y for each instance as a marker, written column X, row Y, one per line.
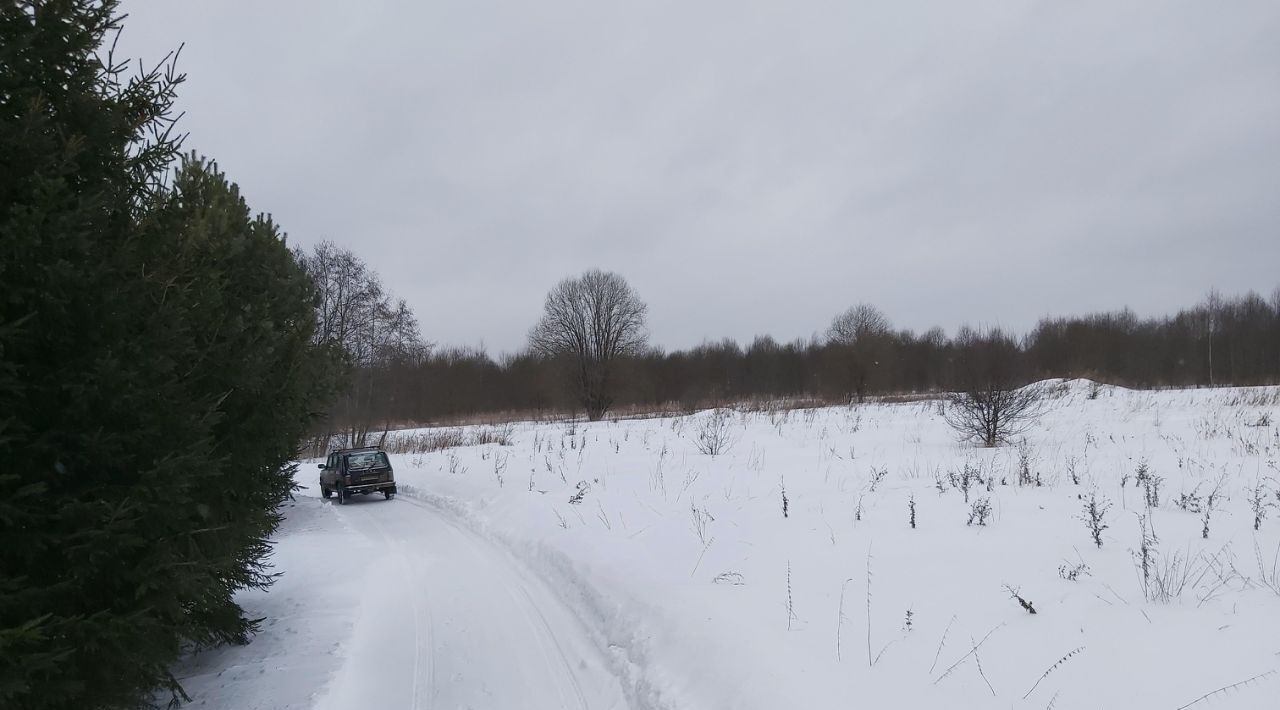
column 385, row 486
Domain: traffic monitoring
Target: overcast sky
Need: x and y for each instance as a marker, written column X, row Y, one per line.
column 751, row 167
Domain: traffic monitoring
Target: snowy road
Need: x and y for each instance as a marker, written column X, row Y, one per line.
column 389, row 604
column 448, row 620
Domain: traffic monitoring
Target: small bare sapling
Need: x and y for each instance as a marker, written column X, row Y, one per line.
column 1150, row 484
column 964, row 479
column 979, row 512
column 1094, row 516
column 1210, row 503
column 877, row 475
column 1259, row 502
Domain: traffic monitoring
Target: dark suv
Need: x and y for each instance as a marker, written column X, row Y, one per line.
column 351, row 471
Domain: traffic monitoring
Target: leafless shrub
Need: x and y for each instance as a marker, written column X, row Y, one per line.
column 1259, row 502
column 1094, row 516
column 994, row 415
column 964, row 479
column 979, row 512
column 1150, row 483
column 989, row 404
column 715, row 434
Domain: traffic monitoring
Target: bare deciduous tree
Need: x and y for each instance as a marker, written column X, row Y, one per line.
column 375, row 334
column 861, row 334
column 989, row 405
column 592, row 321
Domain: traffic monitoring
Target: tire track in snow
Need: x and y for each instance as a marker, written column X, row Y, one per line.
column 484, row 633
column 519, row 594
column 415, row 575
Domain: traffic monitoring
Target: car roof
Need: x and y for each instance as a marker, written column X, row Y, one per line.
column 361, row 449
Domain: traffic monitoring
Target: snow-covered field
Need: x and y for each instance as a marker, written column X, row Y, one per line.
column 659, row 576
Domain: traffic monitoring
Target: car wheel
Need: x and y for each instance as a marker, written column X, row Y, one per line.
column 388, row 494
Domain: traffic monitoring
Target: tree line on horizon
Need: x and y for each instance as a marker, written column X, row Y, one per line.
column 1222, row 340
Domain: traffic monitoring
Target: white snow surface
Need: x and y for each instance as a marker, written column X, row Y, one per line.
column 675, row 581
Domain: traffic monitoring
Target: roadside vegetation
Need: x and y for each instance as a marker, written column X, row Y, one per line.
column 157, row 369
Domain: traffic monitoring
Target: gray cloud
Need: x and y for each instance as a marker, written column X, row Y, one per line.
column 752, row 167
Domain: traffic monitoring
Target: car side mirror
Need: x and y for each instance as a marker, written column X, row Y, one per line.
column 320, row 466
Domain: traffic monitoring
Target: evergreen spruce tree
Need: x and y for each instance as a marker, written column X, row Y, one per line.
column 156, row 374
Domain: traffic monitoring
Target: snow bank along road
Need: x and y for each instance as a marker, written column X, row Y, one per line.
column 389, row 604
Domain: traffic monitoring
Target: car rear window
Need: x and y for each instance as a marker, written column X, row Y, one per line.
column 371, row 459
